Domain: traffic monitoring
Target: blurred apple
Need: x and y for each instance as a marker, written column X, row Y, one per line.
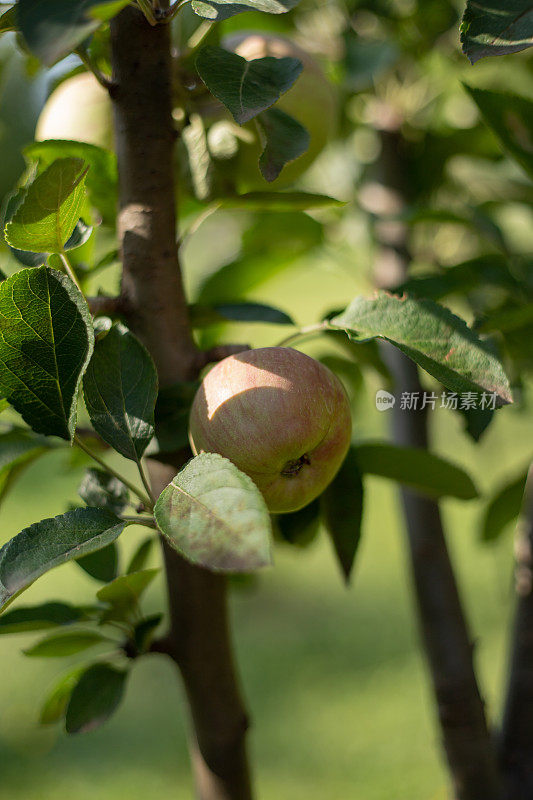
column 79, row 110
column 280, row 416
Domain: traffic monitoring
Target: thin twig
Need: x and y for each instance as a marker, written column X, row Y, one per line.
column 148, row 522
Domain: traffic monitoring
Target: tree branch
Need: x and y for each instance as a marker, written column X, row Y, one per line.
column 156, row 310
column 467, row 740
column 517, row 729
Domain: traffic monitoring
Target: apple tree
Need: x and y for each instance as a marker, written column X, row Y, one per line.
column 185, row 116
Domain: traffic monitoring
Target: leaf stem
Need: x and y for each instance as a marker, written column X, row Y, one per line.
column 100, row 77
column 306, row 332
column 145, row 481
column 68, row 269
column 148, row 522
column 144, row 498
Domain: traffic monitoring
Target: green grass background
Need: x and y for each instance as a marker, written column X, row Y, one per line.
column 334, row 677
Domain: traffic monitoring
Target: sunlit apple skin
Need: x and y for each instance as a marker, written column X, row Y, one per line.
column 78, row 110
column 279, row 416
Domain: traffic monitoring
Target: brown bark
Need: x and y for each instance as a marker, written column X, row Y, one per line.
column 517, row 728
column 154, row 304
column 467, row 741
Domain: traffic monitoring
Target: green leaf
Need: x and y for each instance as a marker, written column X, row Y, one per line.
column 492, row 270
column 279, row 201
column 59, row 645
column 8, row 20
column 342, row 511
column 126, row 590
column 433, row 337
column 202, row 316
column 144, row 631
column 510, row 117
column 172, row 417
column 219, row 10
column 55, row 705
column 102, row 177
column 46, row 341
column 95, row 698
column 301, row 527
column 51, row 542
column 11, row 204
column 35, row 618
column 101, row 565
column 246, row 87
column 418, row 469
column 503, row 508
column 140, row 556
column 493, row 28
column 120, row 390
column 18, row 449
column 99, row 488
column 284, row 139
column 215, row 516
column 81, row 234
column 53, row 28
column 50, row 209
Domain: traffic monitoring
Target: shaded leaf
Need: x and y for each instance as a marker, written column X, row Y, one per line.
column 301, row 527
column 101, row 565
column 284, row 139
column 50, row 209
column 140, row 556
column 492, row 270
column 144, row 631
column 418, row 469
column 51, row 542
column 246, row 87
column 504, row 507
column 202, row 316
column 120, row 390
column 493, row 28
column 511, row 118
column 46, row 341
column 55, row 705
column 433, row 337
column 215, row 516
column 279, row 201
column 81, row 234
column 59, row 645
column 95, row 697
column 53, row 28
column 8, row 20
column 99, row 488
column 34, row 618
column 342, row 511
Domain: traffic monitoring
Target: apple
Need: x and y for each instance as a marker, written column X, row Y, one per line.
column 78, row 110
column 280, row 416
column 311, row 101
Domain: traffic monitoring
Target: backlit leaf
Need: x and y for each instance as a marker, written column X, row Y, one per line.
column 46, row 341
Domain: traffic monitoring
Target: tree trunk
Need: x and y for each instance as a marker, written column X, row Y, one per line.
column 154, row 303
column 517, row 729
column 466, row 738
